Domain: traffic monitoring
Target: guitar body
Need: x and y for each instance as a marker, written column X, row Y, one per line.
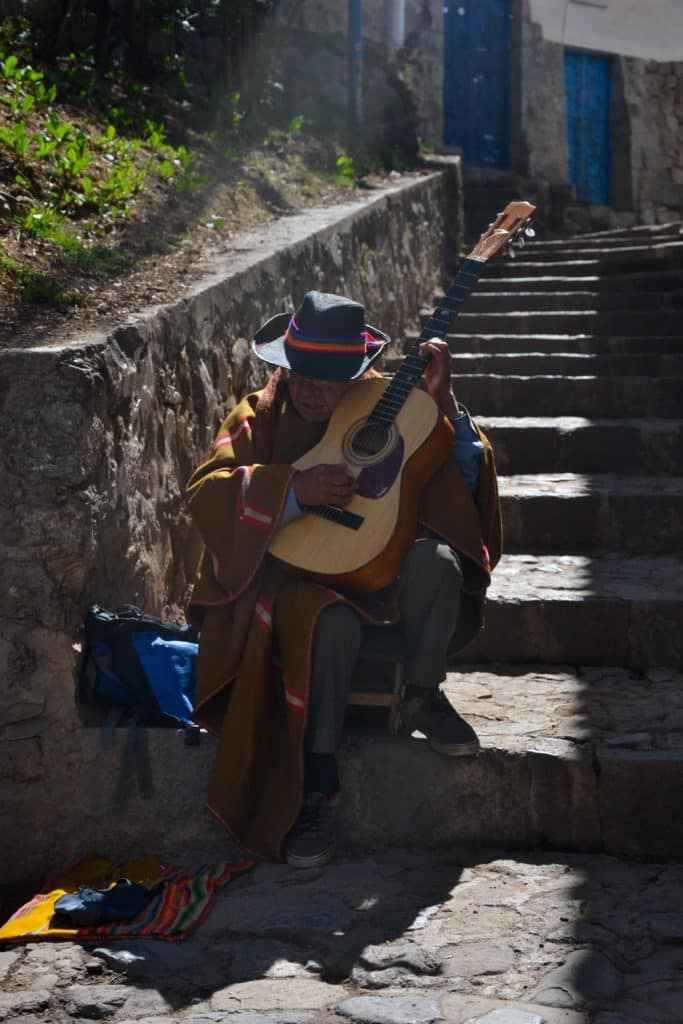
column 364, row 550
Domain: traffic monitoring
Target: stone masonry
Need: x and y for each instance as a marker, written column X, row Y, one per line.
column 100, row 435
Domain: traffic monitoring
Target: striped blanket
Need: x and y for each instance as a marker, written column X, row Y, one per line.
column 183, row 902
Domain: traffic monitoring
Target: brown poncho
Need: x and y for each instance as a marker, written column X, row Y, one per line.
column 257, row 623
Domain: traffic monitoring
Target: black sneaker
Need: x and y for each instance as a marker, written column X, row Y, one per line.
column 435, row 716
column 310, row 842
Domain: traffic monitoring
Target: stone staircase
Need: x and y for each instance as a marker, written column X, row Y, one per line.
column 570, row 357
column 575, row 686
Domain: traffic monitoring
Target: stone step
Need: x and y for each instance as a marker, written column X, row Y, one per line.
column 579, row 343
column 573, row 512
column 572, row 444
column 609, row 240
column 643, row 231
column 647, row 282
column 577, row 265
column 578, row 754
column 574, row 364
column 614, row 253
column 604, row 322
column 498, row 395
column 594, row 731
column 520, row 299
column 577, row 758
column 604, row 609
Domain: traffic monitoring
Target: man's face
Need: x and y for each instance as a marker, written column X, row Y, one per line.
column 315, row 400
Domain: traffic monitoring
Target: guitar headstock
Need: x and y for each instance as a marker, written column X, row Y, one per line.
column 509, row 228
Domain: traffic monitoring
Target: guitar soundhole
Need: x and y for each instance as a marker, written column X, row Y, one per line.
column 370, row 440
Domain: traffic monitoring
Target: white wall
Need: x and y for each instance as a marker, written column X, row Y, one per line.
column 652, row 29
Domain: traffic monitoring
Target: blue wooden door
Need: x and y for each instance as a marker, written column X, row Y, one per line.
column 587, row 86
column 477, row 80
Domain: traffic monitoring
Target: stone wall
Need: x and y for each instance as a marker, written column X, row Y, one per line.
column 538, row 144
column 654, row 95
column 99, row 436
column 402, row 92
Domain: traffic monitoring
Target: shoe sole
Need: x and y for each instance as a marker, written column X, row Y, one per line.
column 317, row 860
column 460, row 750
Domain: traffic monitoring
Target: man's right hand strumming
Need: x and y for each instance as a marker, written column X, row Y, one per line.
column 324, row 485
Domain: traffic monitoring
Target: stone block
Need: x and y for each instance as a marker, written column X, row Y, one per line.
column 564, row 794
column 267, row 994
column 403, row 1009
column 399, row 791
column 474, row 1009
column 93, row 1001
column 585, row 977
column 640, row 795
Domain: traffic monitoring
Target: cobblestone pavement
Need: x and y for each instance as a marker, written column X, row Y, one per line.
column 405, row 937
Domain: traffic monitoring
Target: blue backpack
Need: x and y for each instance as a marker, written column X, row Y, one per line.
column 141, row 672
column 139, row 665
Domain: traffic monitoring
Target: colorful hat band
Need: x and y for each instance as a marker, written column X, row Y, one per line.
column 296, row 339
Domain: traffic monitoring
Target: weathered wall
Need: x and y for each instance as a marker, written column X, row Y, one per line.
column 402, row 91
column 539, row 136
column 99, row 437
column 654, row 96
column 652, row 29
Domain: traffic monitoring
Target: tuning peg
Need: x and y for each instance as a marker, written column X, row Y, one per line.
column 529, row 232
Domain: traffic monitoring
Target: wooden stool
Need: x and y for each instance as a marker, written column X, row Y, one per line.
column 385, row 644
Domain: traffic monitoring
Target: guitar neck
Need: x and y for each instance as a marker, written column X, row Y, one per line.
column 411, row 368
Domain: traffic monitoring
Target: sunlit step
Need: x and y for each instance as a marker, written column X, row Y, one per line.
column 574, row 512
column 574, row 364
column 580, row 609
column 575, row 444
column 560, row 395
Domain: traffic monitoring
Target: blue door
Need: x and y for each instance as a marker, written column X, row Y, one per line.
column 477, row 80
column 587, row 86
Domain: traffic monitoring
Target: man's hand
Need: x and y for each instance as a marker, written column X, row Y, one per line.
column 437, row 375
column 324, row 485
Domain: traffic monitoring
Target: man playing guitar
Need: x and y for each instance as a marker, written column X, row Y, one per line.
column 278, row 646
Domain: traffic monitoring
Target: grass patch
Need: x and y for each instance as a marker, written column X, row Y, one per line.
column 35, row 287
column 97, row 259
column 90, row 259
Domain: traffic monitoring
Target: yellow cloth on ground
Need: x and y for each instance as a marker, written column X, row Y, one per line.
column 185, row 899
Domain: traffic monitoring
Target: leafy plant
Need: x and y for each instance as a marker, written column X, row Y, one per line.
column 345, row 168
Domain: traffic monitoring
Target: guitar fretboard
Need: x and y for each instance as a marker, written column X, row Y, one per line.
column 408, row 374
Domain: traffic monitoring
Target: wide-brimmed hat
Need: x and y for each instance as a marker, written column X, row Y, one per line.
column 327, row 338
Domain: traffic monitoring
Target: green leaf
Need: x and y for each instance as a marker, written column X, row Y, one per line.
column 166, row 169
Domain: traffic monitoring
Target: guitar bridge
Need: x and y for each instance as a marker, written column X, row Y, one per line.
column 335, row 514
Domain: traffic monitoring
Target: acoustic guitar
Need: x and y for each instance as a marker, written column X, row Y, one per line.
column 393, row 438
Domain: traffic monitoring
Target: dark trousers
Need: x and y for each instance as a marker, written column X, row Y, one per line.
column 429, row 590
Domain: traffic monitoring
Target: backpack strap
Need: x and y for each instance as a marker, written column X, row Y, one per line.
column 135, row 754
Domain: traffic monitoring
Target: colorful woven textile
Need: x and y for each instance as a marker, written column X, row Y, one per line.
column 184, row 901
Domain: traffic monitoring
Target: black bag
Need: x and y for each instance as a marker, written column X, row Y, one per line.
column 140, row 669
column 139, row 664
